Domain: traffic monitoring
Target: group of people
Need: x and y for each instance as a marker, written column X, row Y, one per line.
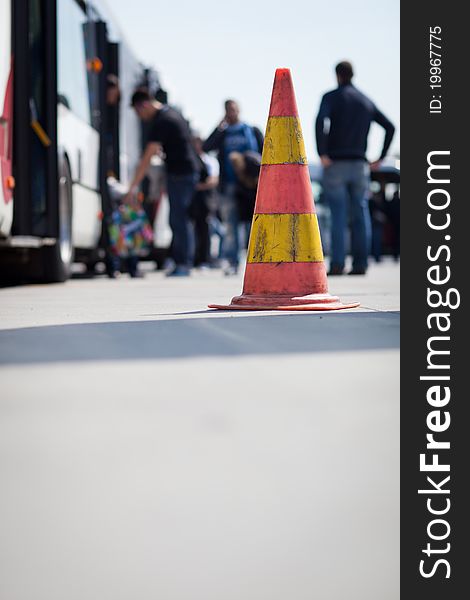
column 193, row 175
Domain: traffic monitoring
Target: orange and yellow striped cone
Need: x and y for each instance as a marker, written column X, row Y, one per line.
column 285, row 269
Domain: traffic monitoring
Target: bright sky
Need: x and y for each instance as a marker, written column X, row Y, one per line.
column 209, row 50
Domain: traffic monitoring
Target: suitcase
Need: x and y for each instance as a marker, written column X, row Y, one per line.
column 130, row 233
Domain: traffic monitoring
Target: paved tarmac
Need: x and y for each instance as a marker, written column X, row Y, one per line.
column 150, row 448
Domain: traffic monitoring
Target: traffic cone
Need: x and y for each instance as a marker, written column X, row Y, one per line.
column 285, row 269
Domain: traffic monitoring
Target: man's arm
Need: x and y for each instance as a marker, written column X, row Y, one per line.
column 214, row 141
column 382, row 120
column 321, row 137
column 151, row 149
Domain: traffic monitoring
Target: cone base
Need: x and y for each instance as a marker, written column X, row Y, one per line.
column 283, row 302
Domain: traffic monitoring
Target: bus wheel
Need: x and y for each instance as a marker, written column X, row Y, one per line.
column 58, row 259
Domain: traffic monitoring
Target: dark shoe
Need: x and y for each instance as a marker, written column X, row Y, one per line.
column 136, row 274
column 335, row 270
column 179, row 271
column 357, row 272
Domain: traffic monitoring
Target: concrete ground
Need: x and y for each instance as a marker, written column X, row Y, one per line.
column 150, row 448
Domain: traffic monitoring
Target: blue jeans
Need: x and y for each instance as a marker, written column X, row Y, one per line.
column 230, row 216
column 180, row 192
column 346, row 188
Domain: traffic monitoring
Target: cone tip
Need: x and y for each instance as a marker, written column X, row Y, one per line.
column 283, row 103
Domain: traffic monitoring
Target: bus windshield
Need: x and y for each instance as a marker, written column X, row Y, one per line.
column 72, row 73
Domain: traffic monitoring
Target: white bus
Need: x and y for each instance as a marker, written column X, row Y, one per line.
column 59, row 139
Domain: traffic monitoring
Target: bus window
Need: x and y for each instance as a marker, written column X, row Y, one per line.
column 72, row 75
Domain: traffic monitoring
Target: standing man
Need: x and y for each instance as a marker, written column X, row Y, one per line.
column 342, row 149
column 168, row 130
column 231, row 135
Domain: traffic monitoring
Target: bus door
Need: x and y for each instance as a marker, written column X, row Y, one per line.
column 35, row 118
column 105, row 116
column 113, row 113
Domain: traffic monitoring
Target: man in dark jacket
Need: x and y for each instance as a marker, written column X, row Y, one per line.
column 231, row 135
column 342, row 129
column 168, row 130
